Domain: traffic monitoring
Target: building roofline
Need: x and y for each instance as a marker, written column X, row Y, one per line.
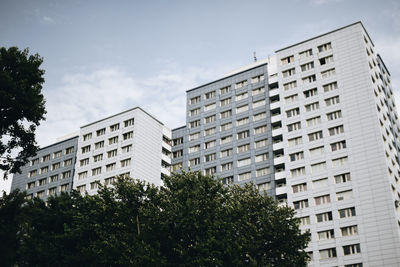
column 318, row 36
column 109, row 117
column 181, row 127
column 226, row 77
column 57, row 143
column 384, row 64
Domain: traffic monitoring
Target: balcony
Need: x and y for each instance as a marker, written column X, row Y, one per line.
column 281, row 190
column 279, row 160
column 275, row 105
column 280, row 175
column 274, row 92
column 166, row 158
column 277, row 131
column 277, row 145
column 276, row 118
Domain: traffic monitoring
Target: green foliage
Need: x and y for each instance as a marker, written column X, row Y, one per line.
column 22, row 106
column 192, row 220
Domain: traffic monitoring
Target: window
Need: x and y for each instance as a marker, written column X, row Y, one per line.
column 194, row 136
column 210, row 144
column 112, row 153
column 259, row 116
column 94, row 185
column 296, row 156
column 209, row 95
column 336, row 130
column 262, row 172
column 351, row 249
column 46, row 158
column 346, row 213
column 312, row 106
column 298, row 172
column 324, row 47
column 257, row 91
column 69, row 150
column 52, row 191
column 125, row 163
column 178, row 154
column 307, row 66
column 295, row 141
column 241, row 96
column 327, row 253
column 342, row 178
column 257, row 79
column 87, row 137
column 289, row 72
column 178, row 141
column 244, row 176
column 243, row 162
column 328, row 73
column 225, row 102
column 65, row 175
column 259, row 103
column 242, row 135
column 194, row 148
column 194, row 162
column 225, row 90
column 317, row 151
column 313, row 121
column 126, row 149
column 54, row 178
column 287, row 60
column 330, row 87
column 301, row 204
column 30, row 185
column 309, row 79
column 304, row 221
column 260, row 129
column 241, row 84
column 56, row 154
column 299, row 188
column 320, row 183
column 334, row 115
column 113, row 140
column 226, row 153
column 101, row 132
column 315, row 136
column 99, row 145
column 243, row 148
column 332, row 101
column 264, row 186
column 129, row 122
column 322, row 200
column 344, row 195
column 210, row 131
column 208, row 119
column 34, row 162
column 110, row 180
column 324, row 217
column 55, row 166
column 40, row 194
column 67, row 162
column 82, row 175
column 210, row 107
column 226, row 114
column 242, row 109
column 44, row 170
column 226, row 166
column 110, row 167
column 354, row 265
column 194, row 112
column 291, row 99
column 306, row 53
column 194, row 100
column 325, row 60
column 310, row 92
column 114, row 127
column 210, row 171
column 261, row 157
column 328, row 234
column 85, row 149
column 210, row 157
column 289, row 85
column 260, row 143
column 338, row 145
column 349, row 230
column 227, row 180
column 42, row 182
column 318, row 167
column 293, row 112
column 64, row 187
column 98, row 157
column 242, row 121
column 194, row 124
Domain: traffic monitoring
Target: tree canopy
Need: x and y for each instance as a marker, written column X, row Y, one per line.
column 192, row 220
column 22, row 106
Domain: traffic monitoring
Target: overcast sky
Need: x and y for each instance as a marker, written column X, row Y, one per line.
column 103, row 57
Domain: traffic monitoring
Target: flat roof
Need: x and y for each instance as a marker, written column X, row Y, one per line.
column 229, row 76
column 57, row 143
column 341, row 28
column 181, row 127
column 123, row 113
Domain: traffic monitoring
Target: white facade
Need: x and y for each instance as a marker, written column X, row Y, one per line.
column 130, row 143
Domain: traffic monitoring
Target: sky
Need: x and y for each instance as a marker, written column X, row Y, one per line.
column 104, row 57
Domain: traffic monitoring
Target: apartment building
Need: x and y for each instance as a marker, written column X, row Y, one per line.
column 131, row 143
column 316, row 127
column 49, row 172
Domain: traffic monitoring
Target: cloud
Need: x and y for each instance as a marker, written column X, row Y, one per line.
column 47, row 19
column 323, row 2
column 86, row 96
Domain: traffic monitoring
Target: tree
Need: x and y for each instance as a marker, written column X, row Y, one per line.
column 193, row 220
column 22, row 106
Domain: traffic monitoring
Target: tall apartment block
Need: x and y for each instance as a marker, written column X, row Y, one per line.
column 315, row 126
column 131, row 143
column 49, row 172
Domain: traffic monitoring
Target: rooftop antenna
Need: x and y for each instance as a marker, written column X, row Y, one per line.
column 255, row 57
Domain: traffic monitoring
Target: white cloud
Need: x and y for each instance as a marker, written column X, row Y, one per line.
column 47, row 19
